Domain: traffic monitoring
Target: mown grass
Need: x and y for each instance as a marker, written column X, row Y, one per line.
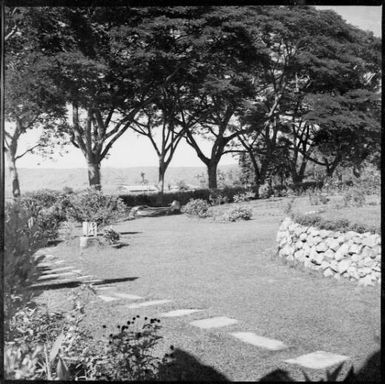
column 228, row 270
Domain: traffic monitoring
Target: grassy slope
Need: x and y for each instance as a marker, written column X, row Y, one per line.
column 229, row 270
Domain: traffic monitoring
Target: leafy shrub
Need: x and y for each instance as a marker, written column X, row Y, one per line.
column 111, row 235
column 300, row 188
column 154, row 200
column 237, row 213
column 342, row 225
column 243, row 197
column 197, row 207
column 287, row 209
column 44, row 198
column 22, row 238
column 316, row 197
column 47, row 208
column 93, row 205
column 216, row 198
column 265, row 191
column 354, row 197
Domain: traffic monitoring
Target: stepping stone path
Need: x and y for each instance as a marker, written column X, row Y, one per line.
column 318, row 360
column 107, row 298
column 148, row 303
column 315, row 360
column 56, row 274
column 180, row 312
column 259, row 341
column 214, row 322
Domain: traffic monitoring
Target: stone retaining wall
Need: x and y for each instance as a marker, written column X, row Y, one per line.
column 348, row 255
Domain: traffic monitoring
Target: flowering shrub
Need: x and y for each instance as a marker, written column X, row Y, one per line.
column 238, row 213
column 54, row 347
column 93, row 205
column 197, row 207
column 128, row 355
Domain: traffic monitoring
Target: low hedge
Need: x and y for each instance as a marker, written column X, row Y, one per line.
column 154, row 200
column 341, row 225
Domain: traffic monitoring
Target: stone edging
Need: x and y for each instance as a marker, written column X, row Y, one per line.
column 348, row 255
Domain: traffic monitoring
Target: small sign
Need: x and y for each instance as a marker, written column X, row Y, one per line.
column 90, row 229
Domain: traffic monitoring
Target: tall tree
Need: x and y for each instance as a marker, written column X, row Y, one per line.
column 224, row 54
column 159, row 126
column 313, row 53
column 31, row 100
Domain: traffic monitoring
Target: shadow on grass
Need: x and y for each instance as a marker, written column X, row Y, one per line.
column 369, row 373
column 54, row 243
column 185, row 367
column 129, row 233
column 77, row 283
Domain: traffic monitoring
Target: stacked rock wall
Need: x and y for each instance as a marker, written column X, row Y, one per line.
column 348, row 255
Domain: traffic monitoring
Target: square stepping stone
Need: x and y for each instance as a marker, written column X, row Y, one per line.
column 126, row 296
column 180, row 312
column 148, row 303
column 214, row 322
column 318, row 360
column 107, row 298
column 259, row 341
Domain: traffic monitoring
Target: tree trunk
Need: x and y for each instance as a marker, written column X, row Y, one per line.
column 212, row 174
column 297, row 178
column 162, row 172
column 14, row 175
column 94, row 174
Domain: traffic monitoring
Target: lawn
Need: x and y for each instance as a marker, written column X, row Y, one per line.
column 226, row 269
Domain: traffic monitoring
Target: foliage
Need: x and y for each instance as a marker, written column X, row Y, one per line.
column 316, row 197
column 242, row 197
column 265, row 191
column 354, row 197
column 216, row 198
column 93, row 206
column 129, row 353
column 22, row 238
column 341, row 225
column 111, row 235
column 288, row 207
column 48, row 209
column 183, row 197
column 48, row 346
column 197, row 207
column 237, row 213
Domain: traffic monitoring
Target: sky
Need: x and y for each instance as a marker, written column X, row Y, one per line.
column 131, row 150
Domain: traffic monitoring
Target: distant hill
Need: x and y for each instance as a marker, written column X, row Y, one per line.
column 32, row 179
